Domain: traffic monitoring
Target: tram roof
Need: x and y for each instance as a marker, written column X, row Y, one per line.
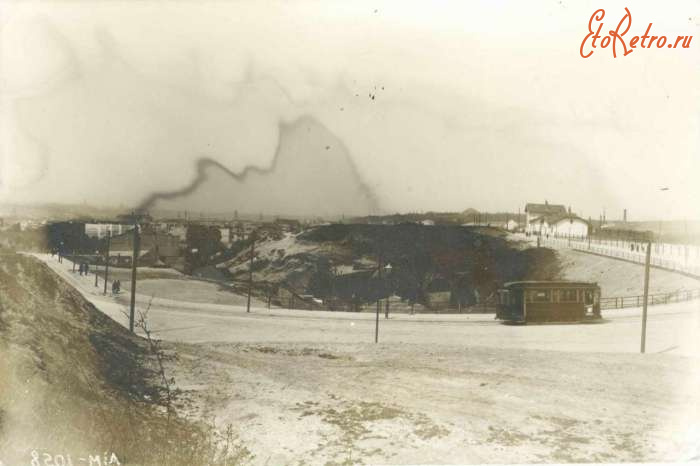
column 550, row 284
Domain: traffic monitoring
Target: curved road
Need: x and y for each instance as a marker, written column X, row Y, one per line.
column 673, row 328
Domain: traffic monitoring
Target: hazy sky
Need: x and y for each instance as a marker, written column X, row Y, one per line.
column 486, row 105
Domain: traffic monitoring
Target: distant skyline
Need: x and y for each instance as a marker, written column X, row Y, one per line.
column 438, row 106
column 84, row 210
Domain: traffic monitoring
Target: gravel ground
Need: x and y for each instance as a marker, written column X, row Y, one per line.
column 311, row 403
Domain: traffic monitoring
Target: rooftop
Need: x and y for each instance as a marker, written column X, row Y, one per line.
column 546, row 208
column 554, row 218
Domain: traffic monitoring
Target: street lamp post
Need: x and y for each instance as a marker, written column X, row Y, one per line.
column 387, row 269
column 379, row 302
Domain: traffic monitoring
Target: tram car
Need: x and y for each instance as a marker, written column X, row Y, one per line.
column 548, row 301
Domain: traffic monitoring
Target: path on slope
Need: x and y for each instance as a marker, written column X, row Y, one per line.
column 671, row 328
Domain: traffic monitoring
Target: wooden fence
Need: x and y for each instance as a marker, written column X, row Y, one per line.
column 622, row 302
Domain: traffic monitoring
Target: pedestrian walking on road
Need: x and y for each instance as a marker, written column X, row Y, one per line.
column 80, row 268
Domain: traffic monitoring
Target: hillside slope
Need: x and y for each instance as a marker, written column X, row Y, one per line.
column 74, row 382
column 620, row 278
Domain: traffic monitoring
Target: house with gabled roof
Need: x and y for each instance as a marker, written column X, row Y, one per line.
column 537, row 211
column 554, row 220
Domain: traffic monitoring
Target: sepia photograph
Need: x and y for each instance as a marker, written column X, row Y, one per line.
column 333, row 232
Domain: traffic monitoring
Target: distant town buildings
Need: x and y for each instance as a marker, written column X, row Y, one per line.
column 155, row 249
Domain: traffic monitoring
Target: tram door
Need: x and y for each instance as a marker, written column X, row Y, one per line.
column 517, row 302
column 589, row 301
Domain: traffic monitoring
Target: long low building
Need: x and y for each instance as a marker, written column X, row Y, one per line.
column 568, row 225
column 154, row 248
column 100, row 230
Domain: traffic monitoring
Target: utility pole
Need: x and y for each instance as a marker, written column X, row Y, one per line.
column 646, row 296
column 250, row 271
column 134, row 262
column 379, row 304
column 109, row 239
column 96, row 274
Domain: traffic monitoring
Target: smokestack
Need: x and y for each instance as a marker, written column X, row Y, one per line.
column 624, row 216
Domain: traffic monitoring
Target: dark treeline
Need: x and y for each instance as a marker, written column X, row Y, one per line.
column 443, row 218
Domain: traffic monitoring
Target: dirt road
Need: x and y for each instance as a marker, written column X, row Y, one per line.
column 309, row 387
column 672, row 328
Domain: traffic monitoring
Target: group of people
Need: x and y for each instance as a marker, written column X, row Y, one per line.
column 116, row 286
column 83, row 268
column 636, row 247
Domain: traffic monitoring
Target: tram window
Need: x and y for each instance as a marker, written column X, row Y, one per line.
column 540, row 296
column 568, row 296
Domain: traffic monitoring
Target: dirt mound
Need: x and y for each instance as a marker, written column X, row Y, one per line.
column 73, row 381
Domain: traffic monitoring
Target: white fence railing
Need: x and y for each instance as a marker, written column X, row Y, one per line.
column 676, row 257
